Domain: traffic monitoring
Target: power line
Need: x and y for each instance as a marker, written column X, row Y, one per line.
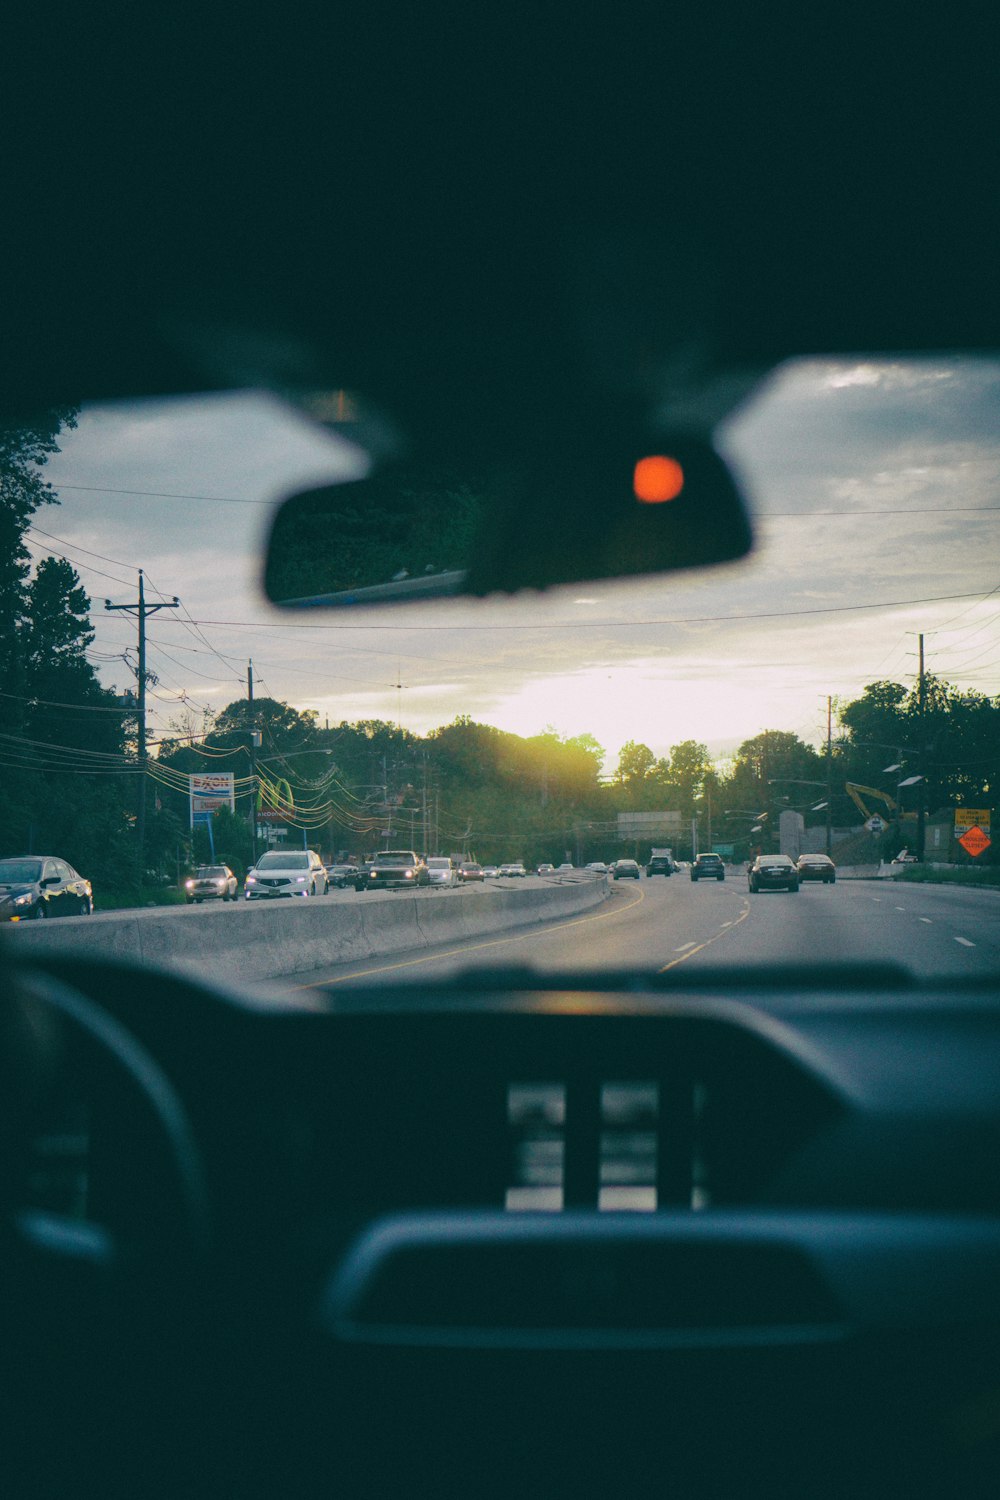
column 629, row 624
column 106, row 489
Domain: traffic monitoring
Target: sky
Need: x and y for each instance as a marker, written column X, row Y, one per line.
column 869, row 483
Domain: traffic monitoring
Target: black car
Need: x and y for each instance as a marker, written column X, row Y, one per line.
column 816, row 867
column 773, row 872
column 39, row 885
column 708, row 867
column 660, row 864
column 342, row 875
column 626, row 869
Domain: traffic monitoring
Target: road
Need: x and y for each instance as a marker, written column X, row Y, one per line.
column 676, row 924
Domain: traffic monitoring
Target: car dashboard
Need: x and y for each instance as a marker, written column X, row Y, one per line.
column 737, row 1235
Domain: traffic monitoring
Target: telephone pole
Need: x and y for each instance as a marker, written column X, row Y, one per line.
column 254, row 742
column 829, row 776
column 922, row 784
column 141, row 609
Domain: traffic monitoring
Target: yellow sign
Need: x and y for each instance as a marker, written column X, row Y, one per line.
column 971, row 817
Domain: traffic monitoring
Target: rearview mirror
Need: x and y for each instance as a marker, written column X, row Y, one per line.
column 570, row 516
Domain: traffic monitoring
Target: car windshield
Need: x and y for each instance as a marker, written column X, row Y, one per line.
column 835, row 692
column 211, row 872
column 283, row 862
column 20, row 871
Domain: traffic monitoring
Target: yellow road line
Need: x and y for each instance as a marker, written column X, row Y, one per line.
column 429, row 958
column 726, row 928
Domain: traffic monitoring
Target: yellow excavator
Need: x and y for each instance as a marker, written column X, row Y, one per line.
column 854, row 790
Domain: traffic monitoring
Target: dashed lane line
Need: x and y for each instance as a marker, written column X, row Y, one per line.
column 728, row 927
column 965, row 942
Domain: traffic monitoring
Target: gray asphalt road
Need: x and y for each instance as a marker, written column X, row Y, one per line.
column 667, row 925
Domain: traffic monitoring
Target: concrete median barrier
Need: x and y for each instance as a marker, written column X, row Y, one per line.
column 269, row 940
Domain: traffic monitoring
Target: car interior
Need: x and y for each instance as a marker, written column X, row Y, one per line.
column 261, row 1246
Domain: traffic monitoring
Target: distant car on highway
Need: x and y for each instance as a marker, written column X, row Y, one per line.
column 626, row 869
column 341, row 875
column 469, row 870
column 393, row 868
column 709, row 867
column 40, row 885
column 773, row 872
column 598, row 866
column 286, row 873
column 441, row 871
column 816, row 867
column 490, row 872
column 564, row 866
column 515, row 870
column 545, row 869
column 660, row 864
column 211, row 883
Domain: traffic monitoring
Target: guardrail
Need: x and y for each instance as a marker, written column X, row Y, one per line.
column 269, row 940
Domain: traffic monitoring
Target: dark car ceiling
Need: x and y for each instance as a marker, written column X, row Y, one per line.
column 494, row 228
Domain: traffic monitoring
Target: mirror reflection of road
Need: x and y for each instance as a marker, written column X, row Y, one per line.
column 677, row 925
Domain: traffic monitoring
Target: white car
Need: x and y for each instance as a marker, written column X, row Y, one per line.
column 291, row 872
column 598, row 867
column 441, row 871
column 514, row 871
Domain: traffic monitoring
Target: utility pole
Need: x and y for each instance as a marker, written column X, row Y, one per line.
column 254, row 741
column 829, row 775
column 922, row 783
column 141, row 609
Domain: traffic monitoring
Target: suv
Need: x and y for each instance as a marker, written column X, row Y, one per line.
column 286, row 872
column 708, row 867
column 660, row 864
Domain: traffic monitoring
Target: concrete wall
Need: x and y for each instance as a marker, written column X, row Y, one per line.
column 268, row 940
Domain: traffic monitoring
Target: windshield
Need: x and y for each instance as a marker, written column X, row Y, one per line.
column 20, row 871
column 283, row 862
column 836, row 692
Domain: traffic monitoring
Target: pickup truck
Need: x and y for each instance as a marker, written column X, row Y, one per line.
column 395, row 868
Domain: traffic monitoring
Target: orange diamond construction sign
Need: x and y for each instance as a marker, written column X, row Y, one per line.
column 974, row 841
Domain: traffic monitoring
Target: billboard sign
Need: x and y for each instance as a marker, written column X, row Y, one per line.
column 208, row 791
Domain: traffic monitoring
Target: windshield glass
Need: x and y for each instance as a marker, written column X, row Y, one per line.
column 283, row 862
column 20, row 871
column 836, row 692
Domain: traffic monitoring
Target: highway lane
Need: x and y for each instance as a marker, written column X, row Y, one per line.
column 675, row 925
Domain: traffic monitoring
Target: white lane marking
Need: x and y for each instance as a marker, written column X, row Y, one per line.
column 727, row 924
column 900, row 908
column 965, row 942
column 927, row 920
column 685, row 946
column 876, row 898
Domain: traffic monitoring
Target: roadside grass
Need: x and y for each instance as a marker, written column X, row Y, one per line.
column 989, row 875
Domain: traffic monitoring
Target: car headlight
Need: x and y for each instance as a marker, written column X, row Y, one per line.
column 25, row 899
column 189, row 885
column 408, row 874
column 251, row 880
column 301, row 879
